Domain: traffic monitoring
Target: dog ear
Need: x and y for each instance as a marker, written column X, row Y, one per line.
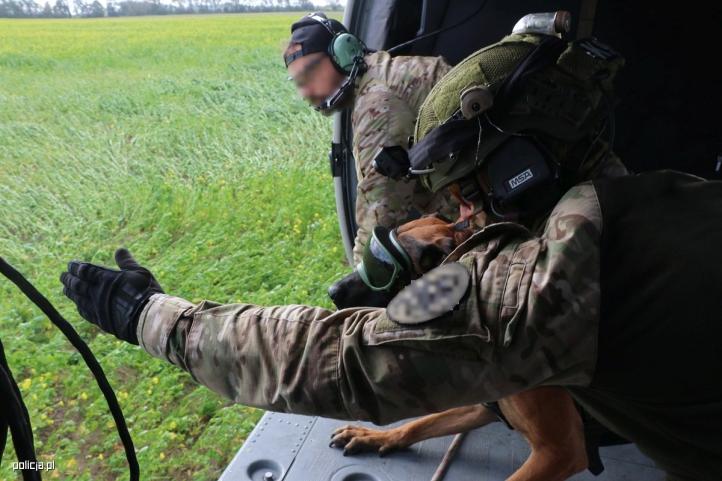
column 460, row 236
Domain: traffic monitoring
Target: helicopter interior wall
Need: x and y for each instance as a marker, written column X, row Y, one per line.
column 494, row 20
column 669, row 93
column 670, row 100
column 382, row 23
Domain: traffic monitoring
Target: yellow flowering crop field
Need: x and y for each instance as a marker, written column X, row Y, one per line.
column 180, row 138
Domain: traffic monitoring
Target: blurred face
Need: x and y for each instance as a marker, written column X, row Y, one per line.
column 314, row 75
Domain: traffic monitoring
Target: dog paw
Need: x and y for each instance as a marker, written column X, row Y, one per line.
column 356, row 439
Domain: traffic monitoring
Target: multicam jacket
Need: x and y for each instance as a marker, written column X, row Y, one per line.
column 618, row 300
column 530, row 318
column 386, row 102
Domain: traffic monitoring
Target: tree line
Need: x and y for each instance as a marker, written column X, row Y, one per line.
column 114, row 8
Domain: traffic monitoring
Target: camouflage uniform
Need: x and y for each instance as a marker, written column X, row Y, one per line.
column 530, row 319
column 644, row 360
column 386, row 102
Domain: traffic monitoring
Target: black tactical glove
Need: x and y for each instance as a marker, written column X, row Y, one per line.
column 111, row 299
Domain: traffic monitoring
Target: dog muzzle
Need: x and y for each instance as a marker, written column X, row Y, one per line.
column 384, row 262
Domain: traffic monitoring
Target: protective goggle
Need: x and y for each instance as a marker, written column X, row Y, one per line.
column 384, row 261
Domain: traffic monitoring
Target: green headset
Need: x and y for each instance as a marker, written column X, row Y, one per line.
column 345, row 49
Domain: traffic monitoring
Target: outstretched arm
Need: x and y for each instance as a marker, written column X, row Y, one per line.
column 528, row 319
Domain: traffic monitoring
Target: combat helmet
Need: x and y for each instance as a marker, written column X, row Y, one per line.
column 529, row 109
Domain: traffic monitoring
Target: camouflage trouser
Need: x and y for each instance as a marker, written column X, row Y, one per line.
column 390, row 203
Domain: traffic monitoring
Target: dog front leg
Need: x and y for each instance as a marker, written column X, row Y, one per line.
column 355, row 439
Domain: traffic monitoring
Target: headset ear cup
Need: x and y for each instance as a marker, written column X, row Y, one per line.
column 343, row 49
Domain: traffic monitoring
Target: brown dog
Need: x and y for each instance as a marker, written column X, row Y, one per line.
column 547, row 416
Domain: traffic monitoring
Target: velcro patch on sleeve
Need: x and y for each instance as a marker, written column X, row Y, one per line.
column 430, row 296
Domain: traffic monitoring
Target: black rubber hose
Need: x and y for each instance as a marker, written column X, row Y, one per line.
column 12, row 401
column 16, row 418
column 3, row 433
column 92, row 363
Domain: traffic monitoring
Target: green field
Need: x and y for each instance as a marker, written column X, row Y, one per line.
column 180, row 138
